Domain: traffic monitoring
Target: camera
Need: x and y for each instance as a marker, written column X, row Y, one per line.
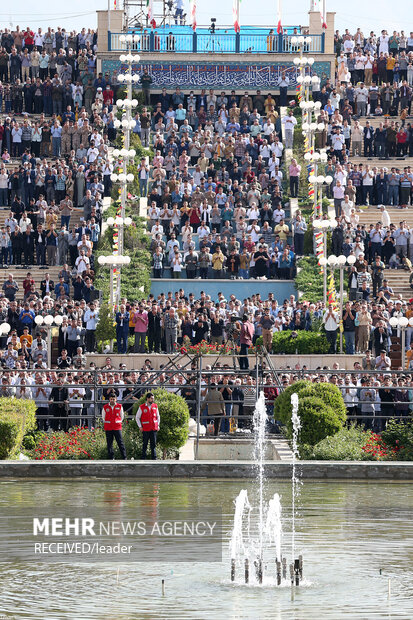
column 213, row 25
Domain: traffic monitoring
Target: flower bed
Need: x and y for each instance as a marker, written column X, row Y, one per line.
column 378, row 450
column 205, row 348
column 78, row 443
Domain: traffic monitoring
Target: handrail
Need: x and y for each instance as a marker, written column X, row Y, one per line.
column 218, row 42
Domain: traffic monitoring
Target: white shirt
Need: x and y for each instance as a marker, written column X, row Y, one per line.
column 82, row 263
column 289, row 122
column 385, row 220
column 384, row 44
column 331, row 322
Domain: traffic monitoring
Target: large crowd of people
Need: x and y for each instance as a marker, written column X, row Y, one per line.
column 217, row 189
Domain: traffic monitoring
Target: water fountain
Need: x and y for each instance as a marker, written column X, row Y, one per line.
column 250, row 546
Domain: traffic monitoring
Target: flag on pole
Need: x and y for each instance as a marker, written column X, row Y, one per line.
column 193, row 14
column 279, row 26
column 331, row 293
column 235, row 14
column 149, row 6
column 323, row 14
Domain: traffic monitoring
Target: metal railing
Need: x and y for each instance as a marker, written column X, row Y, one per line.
column 196, row 374
column 219, row 42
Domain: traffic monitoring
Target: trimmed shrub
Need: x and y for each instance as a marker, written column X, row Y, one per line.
column 321, row 409
column 282, row 405
column 300, row 342
column 346, row 445
column 174, row 413
column 331, row 395
column 17, row 417
column 318, row 420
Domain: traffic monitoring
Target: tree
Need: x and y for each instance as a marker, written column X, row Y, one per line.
column 321, row 409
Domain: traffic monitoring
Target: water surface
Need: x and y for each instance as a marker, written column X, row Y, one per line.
column 346, row 532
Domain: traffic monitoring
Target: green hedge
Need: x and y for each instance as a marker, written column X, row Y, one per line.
column 17, row 417
column 174, row 413
column 346, row 445
column 301, row 342
column 321, row 409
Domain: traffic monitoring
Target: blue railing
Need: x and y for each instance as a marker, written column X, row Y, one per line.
column 184, row 41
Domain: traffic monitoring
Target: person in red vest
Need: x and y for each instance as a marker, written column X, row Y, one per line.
column 148, row 419
column 113, row 415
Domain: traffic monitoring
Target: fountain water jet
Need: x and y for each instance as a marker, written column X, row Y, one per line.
column 296, row 422
column 244, row 547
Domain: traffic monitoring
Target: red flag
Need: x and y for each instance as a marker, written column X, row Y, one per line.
column 279, row 26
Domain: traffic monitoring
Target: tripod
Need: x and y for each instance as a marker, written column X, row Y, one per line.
column 229, row 341
column 212, row 42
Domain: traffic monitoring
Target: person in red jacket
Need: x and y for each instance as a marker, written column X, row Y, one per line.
column 113, row 415
column 148, row 419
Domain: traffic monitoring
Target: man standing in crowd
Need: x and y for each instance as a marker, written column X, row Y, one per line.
column 112, row 415
column 148, row 420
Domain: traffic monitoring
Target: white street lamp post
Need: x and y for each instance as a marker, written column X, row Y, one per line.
column 127, row 123
column 318, row 181
column 114, row 261
column 49, row 322
column 402, row 323
column 324, row 226
column 341, row 262
column 301, row 62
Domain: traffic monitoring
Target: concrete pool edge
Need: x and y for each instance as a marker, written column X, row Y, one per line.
column 338, row 470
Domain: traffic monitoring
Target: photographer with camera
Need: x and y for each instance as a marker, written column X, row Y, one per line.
column 247, row 333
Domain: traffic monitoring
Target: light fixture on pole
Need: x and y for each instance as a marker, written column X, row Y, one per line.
column 324, row 226
column 48, row 322
column 319, row 181
column 341, row 262
column 127, row 124
column 301, row 62
column 114, row 261
column 4, row 329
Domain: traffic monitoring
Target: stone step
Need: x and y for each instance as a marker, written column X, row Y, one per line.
column 74, row 218
column 37, row 274
column 376, row 162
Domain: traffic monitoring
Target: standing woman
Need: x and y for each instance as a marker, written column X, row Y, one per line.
column 80, row 186
column 70, row 185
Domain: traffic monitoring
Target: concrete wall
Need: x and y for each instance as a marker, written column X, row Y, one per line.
column 233, row 450
column 315, row 27
column 282, row 289
column 316, row 470
column 108, row 20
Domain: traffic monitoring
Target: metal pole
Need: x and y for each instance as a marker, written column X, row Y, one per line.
column 49, row 345
column 341, row 305
column 198, row 406
column 325, row 269
column 124, row 188
column 403, row 347
column 111, row 300
column 111, row 295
